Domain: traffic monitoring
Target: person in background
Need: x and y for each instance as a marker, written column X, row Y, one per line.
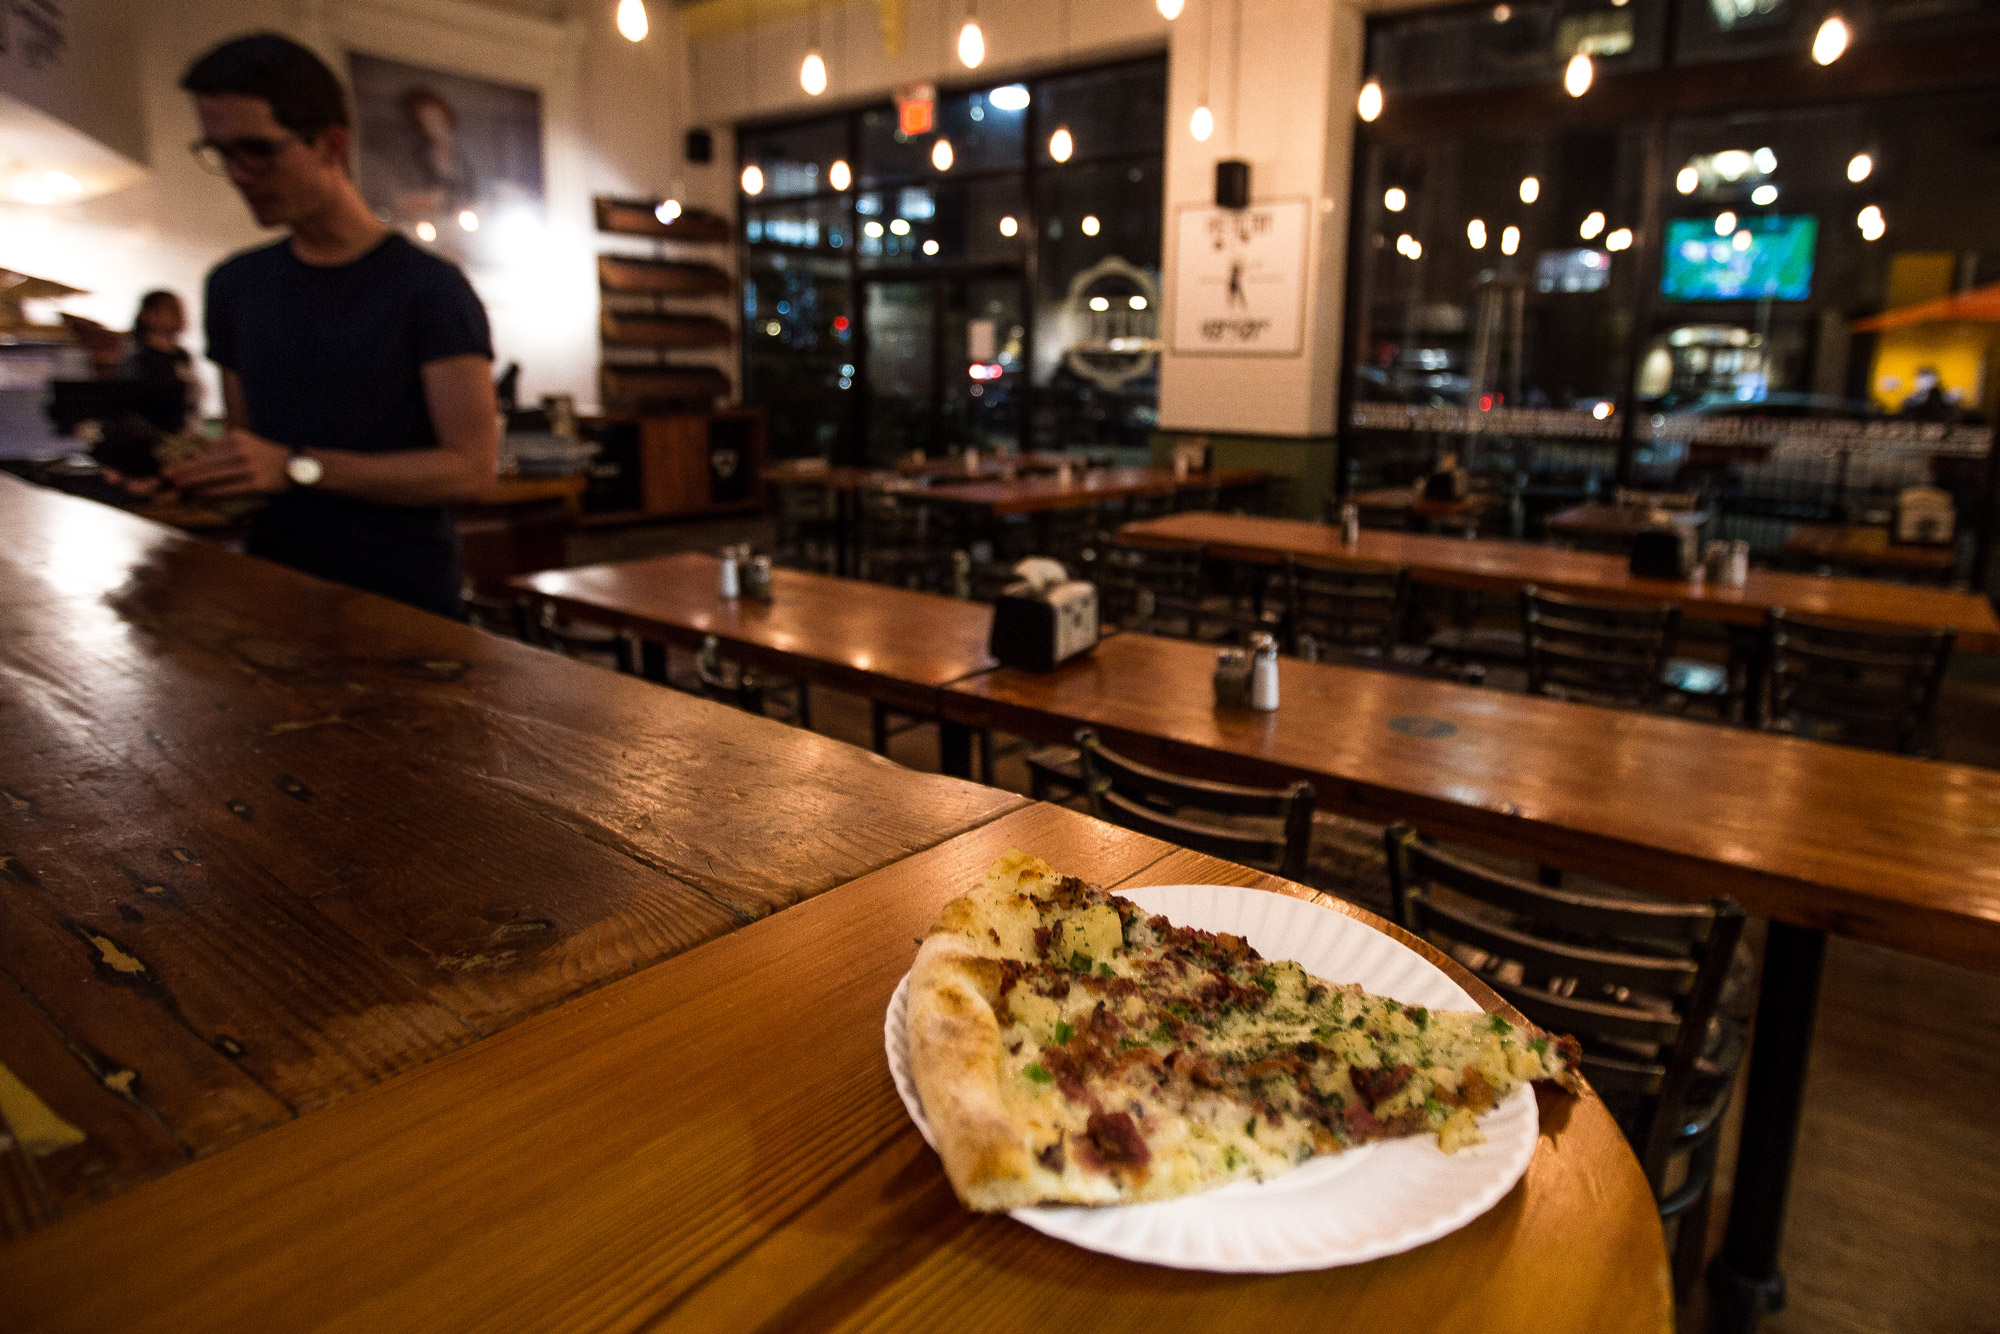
column 157, row 356
column 1930, row 402
column 356, row 367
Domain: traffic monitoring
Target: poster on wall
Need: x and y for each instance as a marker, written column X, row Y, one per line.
column 1240, row 279
column 452, row 160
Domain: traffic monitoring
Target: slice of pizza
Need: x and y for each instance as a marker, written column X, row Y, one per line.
column 1070, row 1048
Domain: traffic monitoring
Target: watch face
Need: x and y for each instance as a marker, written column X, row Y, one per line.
column 302, row 470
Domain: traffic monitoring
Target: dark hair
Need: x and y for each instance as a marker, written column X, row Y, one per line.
column 151, row 301
column 305, row 96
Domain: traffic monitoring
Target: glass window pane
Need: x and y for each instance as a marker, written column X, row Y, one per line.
column 1110, row 111
column 1509, row 45
column 799, row 351
column 946, row 221
column 795, row 158
column 822, row 225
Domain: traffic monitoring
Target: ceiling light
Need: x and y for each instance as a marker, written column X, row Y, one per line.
column 1510, row 240
column 1009, row 97
column 1830, row 42
column 812, row 74
column 1725, row 223
column 1136, row 302
column 1688, row 180
column 1201, row 124
column 1859, row 166
column 931, row 246
column 1578, row 74
column 1060, row 144
column 1764, row 160
column 1171, row 9
column 1764, row 195
column 1592, row 225
column 668, row 210
column 1871, row 223
column 1008, row 226
column 632, row 25
column 1394, row 199
column 753, row 180
column 1531, row 189
column 941, row 154
column 1369, row 104
column 1090, row 224
column 839, row 175
column 1408, row 246
column 971, row 44
column 1619, row 240
column 1475, row 234
column 468, row 220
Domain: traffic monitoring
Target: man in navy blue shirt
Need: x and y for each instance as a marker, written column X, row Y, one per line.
column 356, row 367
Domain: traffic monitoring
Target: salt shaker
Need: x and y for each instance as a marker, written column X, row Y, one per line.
column 971, row 461
column 1739, row 563
column 1263, row 672
column 728, row 585
column 1350, row 524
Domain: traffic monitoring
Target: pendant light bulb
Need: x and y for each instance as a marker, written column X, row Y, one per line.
column 1369, row 104
column 1577, row 77
column 1531, row 189
column 1061, row 145
column 632, row 24
column 1201, row 124
column 839, row 176
column 1510, row 240
column 1859, row 166
column 941, row 154
column 1171, row 9
column 753, row 180
column 812, row 74
column 1830, row 42
column 971, row 44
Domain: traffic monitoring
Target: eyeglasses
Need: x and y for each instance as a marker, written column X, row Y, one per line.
column 253, row 155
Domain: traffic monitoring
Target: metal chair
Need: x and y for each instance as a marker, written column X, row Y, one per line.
column 730, row 682
column 1170, row 807
column 1874, row 688
column 1344, row 611
column 1598, row 652
column 1638, row 982
column 582, row 640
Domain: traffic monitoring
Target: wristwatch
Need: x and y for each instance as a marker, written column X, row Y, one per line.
column 304, row 469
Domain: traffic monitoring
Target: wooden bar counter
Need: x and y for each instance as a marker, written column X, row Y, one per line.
column 715, row 1144
column 266, row 842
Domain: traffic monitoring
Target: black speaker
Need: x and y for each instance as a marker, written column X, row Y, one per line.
column 1232, row 183
column 700, row 147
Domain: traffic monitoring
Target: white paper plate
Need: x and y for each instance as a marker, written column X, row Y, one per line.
column 1339, row 1209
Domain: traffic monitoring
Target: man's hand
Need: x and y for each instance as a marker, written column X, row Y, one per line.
column 242, row 463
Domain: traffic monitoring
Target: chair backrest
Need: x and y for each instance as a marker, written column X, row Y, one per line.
column 1635, row 981
column 1171, row 807
column 1136, row 585
column 1597, row 651
column 1874, row 688
column 1347, row 609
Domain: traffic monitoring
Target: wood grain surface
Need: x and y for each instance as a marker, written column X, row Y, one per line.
column 1407, row 500
column 266, row 841
column 715, row 1143
column 1617, row 522
column 1488, row 565
column 887, row 643
column 1900, row 851
column 1033, row 495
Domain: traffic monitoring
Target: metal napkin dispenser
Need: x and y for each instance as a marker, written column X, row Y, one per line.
column 1044, row 618
column 1665, row 551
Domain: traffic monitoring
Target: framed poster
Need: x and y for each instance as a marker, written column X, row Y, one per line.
column 1240, row 279
column 443, row 155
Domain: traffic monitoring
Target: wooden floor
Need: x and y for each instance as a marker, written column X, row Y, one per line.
column 1894, row 1223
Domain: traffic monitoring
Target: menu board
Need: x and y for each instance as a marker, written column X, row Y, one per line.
column 1240, row 279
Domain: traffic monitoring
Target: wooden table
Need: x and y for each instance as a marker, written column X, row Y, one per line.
column 1419, row 510
column 266, row 842
column 1617, row 524
column 1854, row 547
column 1486, row 565
column 889, row 644
column 1815, row 837
column 715, row 1143
column 1035, row 495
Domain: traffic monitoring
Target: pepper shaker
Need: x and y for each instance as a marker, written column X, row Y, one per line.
column 1263, row 672
column 760, row 578
column 1232, row 679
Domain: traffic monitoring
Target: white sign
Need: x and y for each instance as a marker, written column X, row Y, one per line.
column 1240, row 279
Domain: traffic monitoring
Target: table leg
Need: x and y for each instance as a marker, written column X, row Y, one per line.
column 955, row 748
column 1744, row 1282
column 653, row 661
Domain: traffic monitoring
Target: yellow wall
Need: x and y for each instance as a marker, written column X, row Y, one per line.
column 1957, row 352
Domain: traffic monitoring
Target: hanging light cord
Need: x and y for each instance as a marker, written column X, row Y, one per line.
column 1235, row 72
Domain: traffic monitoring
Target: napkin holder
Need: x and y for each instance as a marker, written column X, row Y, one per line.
column 1665, row 551
column 1925, row 516
column 1044, row 618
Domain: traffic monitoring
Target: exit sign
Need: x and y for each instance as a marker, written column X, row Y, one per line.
column 916, row 108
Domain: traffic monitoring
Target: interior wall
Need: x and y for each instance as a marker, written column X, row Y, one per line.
column 613, row 117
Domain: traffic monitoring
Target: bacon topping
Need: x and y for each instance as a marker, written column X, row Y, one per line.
column 1375, row 1085
column 1117, row 1140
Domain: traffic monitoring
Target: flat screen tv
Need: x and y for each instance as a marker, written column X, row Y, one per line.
column 1762, row 258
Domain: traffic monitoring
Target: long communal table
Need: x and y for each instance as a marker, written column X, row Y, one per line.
column 1493, row 566
column 1039, row 495
column 1815, row 837
column 401, row 977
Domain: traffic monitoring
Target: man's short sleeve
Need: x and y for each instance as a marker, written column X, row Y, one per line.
column 218, row 318
column 450, row 320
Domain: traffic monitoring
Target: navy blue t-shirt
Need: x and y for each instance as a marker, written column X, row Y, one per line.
column 330, row 358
